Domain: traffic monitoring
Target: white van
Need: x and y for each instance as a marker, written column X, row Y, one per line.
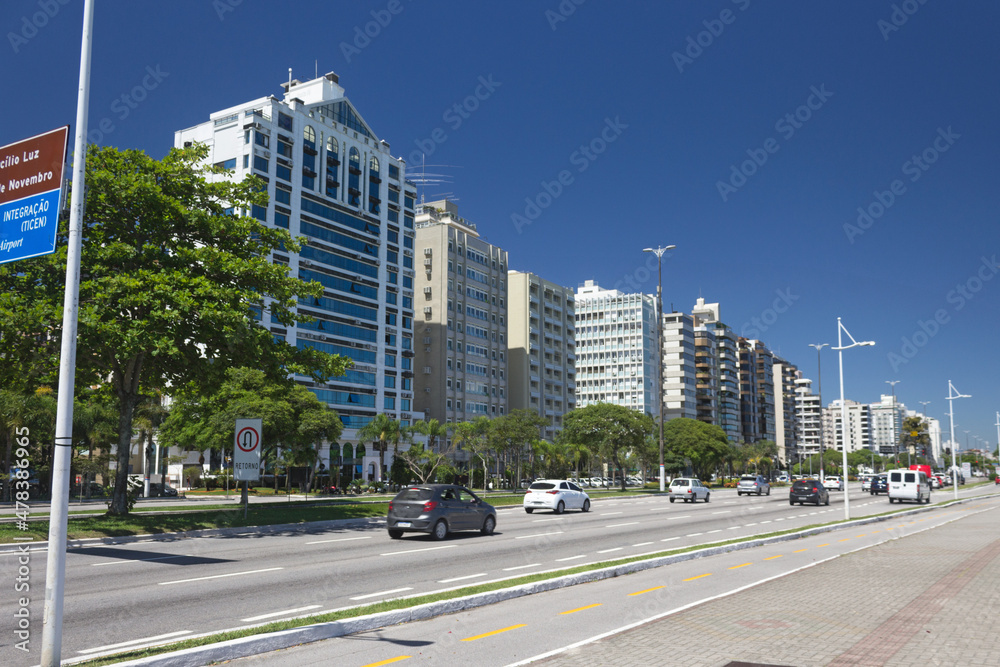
column 909, row 485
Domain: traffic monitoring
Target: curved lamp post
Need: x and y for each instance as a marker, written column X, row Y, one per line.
column 843, row 406
column 658, row 251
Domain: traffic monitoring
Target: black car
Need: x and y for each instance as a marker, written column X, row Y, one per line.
column 880, row 484
column 438, row 509
column 808, row 491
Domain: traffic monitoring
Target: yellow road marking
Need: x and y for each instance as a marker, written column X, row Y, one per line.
column 799, row 551
column 495, row 632
column 845, row 539
column 773, row 557
column 387, row 662
column 573, row 611
column 823, row 545
column 699, row 576
column 736, row 567
column 861, row 535
column 654, row 588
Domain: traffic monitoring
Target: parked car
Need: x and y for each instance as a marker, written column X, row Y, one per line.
column 782, row 478
column 879, row 484
column 556, row 495
column 688, row 489
column 808, row 491
column 833, row 482
column 753, row 484
column 438, row 509
column 909, row 485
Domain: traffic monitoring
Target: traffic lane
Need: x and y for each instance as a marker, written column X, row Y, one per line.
column 530, row 626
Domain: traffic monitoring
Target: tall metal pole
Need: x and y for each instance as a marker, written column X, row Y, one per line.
column 998, row 436
column 55, row 570
column 658, row 251
column 952, row 395
column 843, row 406
column 819, row 380
column 895, row 438
column 926, row 425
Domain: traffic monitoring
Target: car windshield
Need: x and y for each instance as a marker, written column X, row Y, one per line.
column 542, row 486
column 804, row 483
column 679, row 482
column 748, row 479
column 415, row 493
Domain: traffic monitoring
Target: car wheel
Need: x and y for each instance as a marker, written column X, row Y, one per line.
column 440, row 530
column 707, row 496
column 792, row 503
column 395, row 533
column 488, row 525
column 758, row 493
column 828, row 500
column 768, row 491
column 529, row 510
column 671, row 500
column 560, row 507
column 586, row 505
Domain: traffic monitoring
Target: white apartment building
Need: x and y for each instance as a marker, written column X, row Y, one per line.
column 616, row 346
column 330, row 179
column 808, row 412
column 680, row 397
column 461, row 325
column 858, row 426
column 541, row 348
column 717, row 370
column 886, row 424
column 786, row 426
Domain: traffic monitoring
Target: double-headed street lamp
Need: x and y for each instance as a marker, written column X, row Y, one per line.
column 952, row 395
column 843, row 405
column 819, row 390
column 658, row 251
column 895, row 437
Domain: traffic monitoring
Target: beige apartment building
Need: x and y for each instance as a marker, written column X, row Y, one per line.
column 541, row 348
column 460, row 326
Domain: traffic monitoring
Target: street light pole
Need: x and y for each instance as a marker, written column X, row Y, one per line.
column 658, row 251
column 926, row 426
column 819, row 389
column 952, row 395
column 843, row 405
column 895, row 438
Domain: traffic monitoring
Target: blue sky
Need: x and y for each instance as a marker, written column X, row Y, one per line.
column 746, row 133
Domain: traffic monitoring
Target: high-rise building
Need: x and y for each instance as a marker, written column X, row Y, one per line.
column 808, row 417
column 717, row 345
column 541, row 352
column 330, row 179
column 461, row 325
column 756, row 390
column 858, row 426
column 616, row 344
column 886, row 424
column 679, row 373
column 786, row 426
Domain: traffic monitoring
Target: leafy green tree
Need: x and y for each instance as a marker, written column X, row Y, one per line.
column 174, row 280
column 434, row 430
column 704, row 445
column 422, row 461
column 474, row 437
column 914, row 434
column 611, row 431
column 511, row 435
column 381, row 430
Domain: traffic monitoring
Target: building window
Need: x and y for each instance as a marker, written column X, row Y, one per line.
column 354, row 178
column 280, row 220
column 389, row 403
column 260, row 163
column 309, row 137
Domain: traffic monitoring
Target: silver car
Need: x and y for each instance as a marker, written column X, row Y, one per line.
column 757, row 484
column 438, row 509
column 688, row 489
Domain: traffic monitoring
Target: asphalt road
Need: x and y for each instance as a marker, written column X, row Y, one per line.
column 134, row 594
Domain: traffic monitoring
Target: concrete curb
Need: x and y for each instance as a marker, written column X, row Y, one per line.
column 255, row 645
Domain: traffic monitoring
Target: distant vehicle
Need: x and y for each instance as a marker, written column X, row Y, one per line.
column 782, row 478
column 556, row 495
column 834, row 482
column 866, row 481
column 438, row 509
column 909, row 485
column 808, row 491
column 757, row 484
column 879, row 484
column 997, row 480
column 688, row 489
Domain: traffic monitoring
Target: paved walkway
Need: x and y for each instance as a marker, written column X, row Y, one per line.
column 927, row 599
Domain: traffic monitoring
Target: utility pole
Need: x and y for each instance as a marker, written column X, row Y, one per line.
column 819, row 390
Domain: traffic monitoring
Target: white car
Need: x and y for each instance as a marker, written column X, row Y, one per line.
column 833, row 482
column 557, row 495
column 688, row 489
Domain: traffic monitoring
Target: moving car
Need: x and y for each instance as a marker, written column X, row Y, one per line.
column 808, row 491
column 879, row 484
column 688, row 489
column 438, row 509
column 866, row 482
column 909, row 485
column 556, row 495
column 834, row 482
column 753, row 484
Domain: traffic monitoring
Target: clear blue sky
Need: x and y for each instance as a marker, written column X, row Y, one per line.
column 682, row 92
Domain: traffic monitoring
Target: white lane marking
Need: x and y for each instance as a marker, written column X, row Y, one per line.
column 374, row 595
column 618, row 525
column 607, row 551
column 157, row 638
column 763, row 522
column 780, row 519
column 611, row 513
column 734, row 527
column 525, row 537
column 722, row 512
column 670, row 539
column 520, row 567
column 544, row 520
column 219, row 576
column 342, row 539
column 719, row 530
column 138, row 560
column 750, row 524
column 279, row 613
column 674, row 518
column 642, row 544
column 413, row 551
column 559, row 560
column 468, row 576
column 654, row 509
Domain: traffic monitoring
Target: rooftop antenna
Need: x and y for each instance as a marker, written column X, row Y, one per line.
column 316, row 76
column 424, row 179
column 289, row 79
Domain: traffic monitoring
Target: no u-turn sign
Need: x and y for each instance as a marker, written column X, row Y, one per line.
column 246, row 449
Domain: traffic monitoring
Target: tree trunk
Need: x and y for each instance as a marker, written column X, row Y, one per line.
column 119, row 499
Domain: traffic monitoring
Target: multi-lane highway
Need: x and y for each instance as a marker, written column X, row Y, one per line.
column 138, row 593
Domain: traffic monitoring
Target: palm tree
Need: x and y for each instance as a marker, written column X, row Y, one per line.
column 381, row 430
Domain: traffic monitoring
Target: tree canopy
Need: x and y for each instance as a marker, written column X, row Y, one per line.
column 704, row 445
column 612, row 431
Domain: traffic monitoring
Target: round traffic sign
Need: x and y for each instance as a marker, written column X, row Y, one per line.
column 247, row 439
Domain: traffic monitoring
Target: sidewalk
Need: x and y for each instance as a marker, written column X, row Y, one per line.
column 927, row 599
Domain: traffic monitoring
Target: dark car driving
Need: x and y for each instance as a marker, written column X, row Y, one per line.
column 808, row 491
column 880, row 484
column 438, row 509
